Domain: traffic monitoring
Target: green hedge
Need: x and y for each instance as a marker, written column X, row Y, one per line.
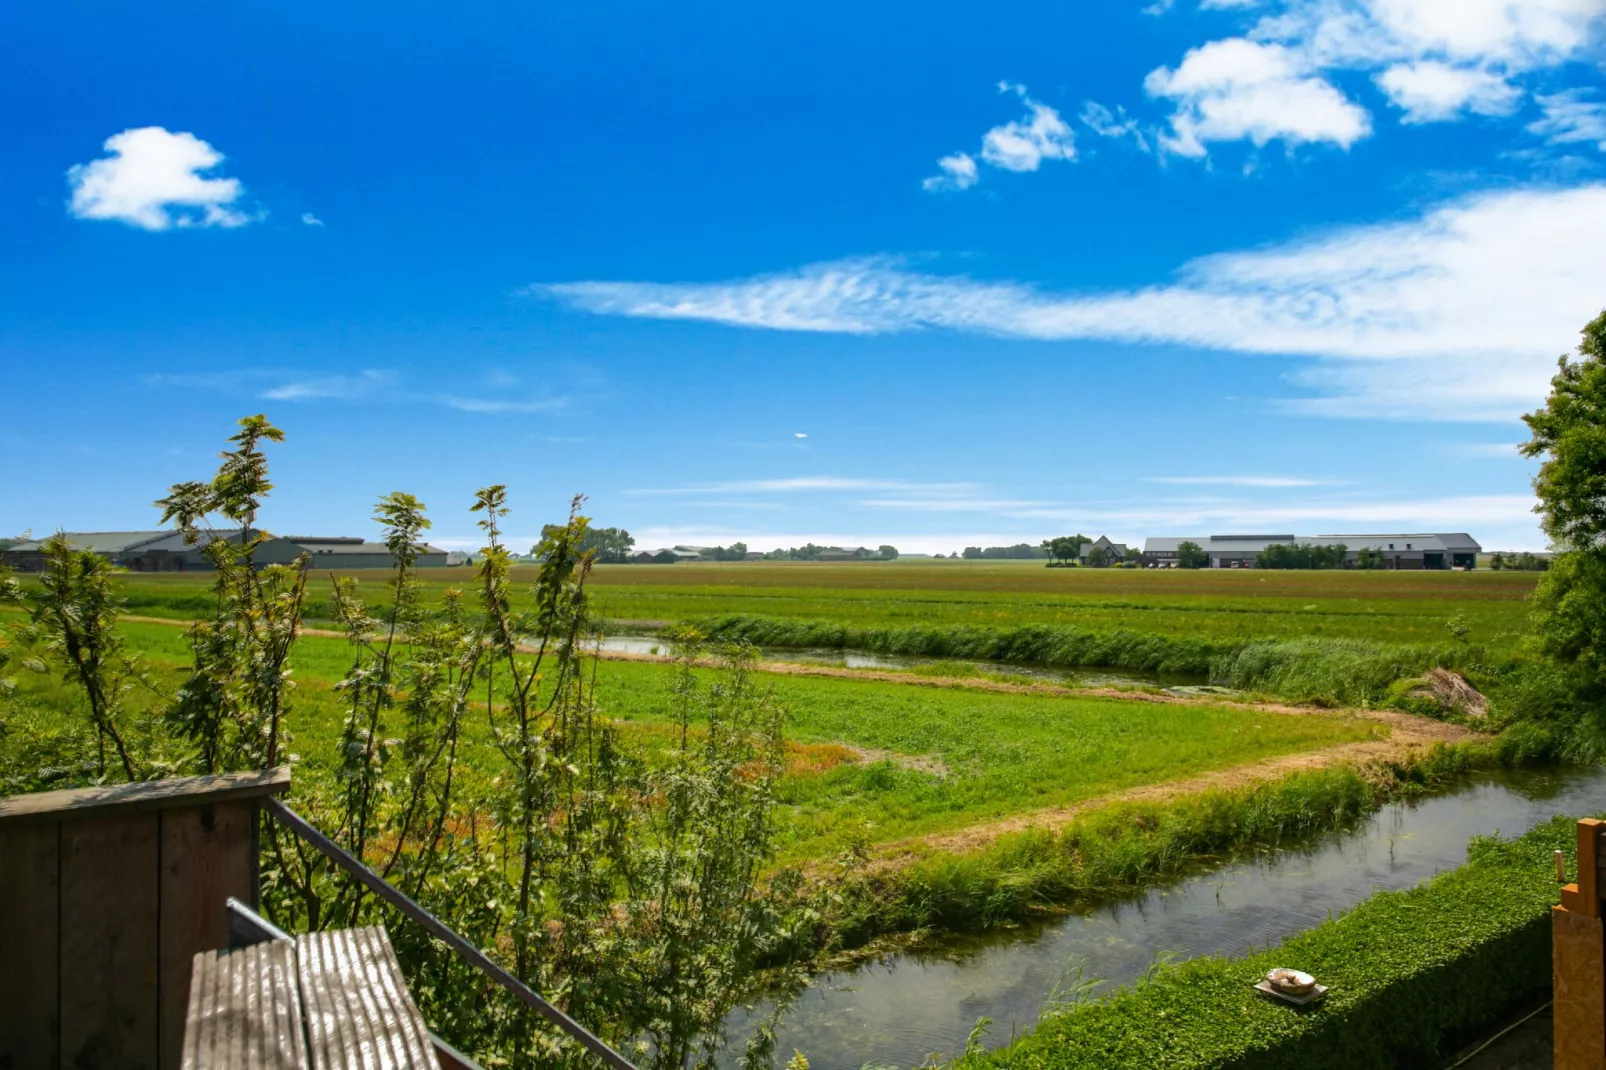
column 1411, row 974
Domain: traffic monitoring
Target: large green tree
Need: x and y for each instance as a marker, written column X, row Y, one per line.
column 1569, row 433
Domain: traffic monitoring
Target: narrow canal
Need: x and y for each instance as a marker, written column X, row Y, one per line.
column 911, row 663
column 898, row 1011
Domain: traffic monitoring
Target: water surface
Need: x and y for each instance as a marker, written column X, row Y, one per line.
column 898, row 1011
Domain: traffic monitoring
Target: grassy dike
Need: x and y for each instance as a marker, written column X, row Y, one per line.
column 1121, row 848
column 1412, row 975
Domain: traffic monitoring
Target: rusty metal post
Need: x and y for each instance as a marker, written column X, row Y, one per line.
column 1579, row 962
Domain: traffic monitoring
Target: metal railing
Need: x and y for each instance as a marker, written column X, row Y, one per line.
column 437, row 928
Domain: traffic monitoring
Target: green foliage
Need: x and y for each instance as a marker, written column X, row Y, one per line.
column 1523, row 562
column 1370, row 558
column 608, row 546
column 1410, row 974
column 1064, row 550
column 1019, row 552
column 235, row 702
column 1570, row 434
column 1327, row 671
column 1192, row 555
column 1301, row 555
column 73, row 620
column 1036, row 644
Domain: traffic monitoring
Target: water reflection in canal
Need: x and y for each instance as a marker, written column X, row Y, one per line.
column 898, row 1011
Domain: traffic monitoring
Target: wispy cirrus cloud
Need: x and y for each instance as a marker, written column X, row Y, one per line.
column 371, row 386
column 1241, row 481
column 496, row 405
column 364, row 384
column 809, row 484
column 1455, row 314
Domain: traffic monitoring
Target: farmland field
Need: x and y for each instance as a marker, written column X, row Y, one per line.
column 1215, row 605
column 874, row 761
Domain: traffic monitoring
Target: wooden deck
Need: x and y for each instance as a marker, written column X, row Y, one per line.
column 328, row 1001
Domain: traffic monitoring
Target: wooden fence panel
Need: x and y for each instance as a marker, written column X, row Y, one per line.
column 208, row 854
column 109, row 942
column 29, row 883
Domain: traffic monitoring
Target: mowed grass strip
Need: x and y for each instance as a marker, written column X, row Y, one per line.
column 929, row 759
column 957, row 758
column 1388, row 607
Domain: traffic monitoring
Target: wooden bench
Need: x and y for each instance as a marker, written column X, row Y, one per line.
column 326, row 1001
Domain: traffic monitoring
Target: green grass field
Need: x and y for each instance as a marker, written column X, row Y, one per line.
column 1217, row 605
column 873, row 762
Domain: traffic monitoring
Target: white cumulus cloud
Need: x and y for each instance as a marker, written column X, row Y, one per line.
column 1437, row 60
column 954, row 172
column 155, row 179
column 1019, row 145
column 1458, row 313
column 1235, row 89
column 1431, row 91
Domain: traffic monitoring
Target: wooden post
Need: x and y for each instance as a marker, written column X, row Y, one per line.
column 106, row 894
column 1579, row 961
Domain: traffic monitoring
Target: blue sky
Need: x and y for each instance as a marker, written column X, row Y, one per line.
column 933, row 275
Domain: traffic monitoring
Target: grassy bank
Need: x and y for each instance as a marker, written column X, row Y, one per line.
column 1121, row 848
column 1411, row 974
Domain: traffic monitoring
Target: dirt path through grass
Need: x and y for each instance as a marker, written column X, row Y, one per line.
column 1409, row 735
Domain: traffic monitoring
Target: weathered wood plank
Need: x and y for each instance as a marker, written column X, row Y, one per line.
column 150, row 795
column 109, row 937
column 358, row 1010
column 1579, row 984
column 244, row 1011
column 206, row 857
column 30, row 1018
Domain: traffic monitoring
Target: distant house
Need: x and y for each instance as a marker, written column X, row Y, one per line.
column 1109, row 553
column 1420, row 550
column 754, row 555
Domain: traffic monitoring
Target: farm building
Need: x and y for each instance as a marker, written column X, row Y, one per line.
column 168, row 551
column 345, row 553
column 848, row 553
column 667, row 556
column 1440, row 550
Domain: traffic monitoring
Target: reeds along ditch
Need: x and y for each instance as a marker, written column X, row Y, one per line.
column 1412, row 975
column 1119, row 849
column 1338, row 671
